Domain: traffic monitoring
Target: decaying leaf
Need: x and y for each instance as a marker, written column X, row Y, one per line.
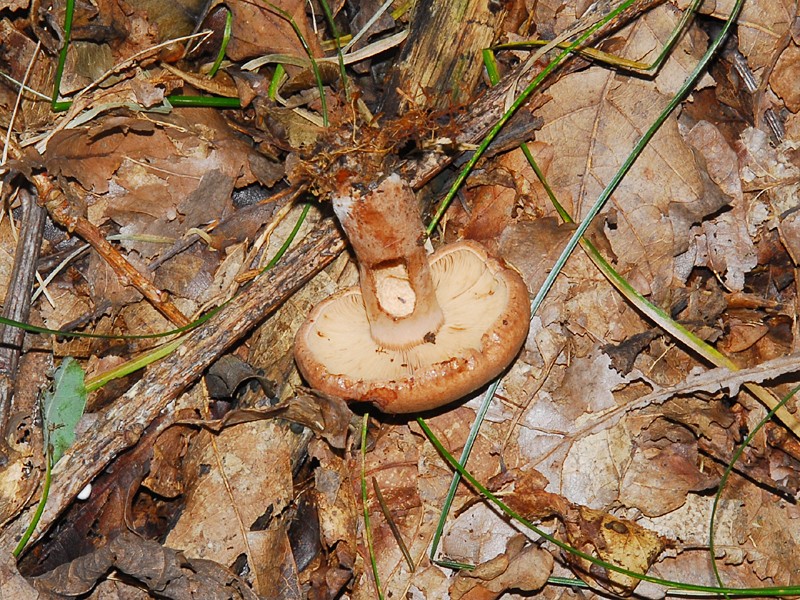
column 519, row 568
column 265, row 29
column 616, row 541
column 664, row 468
column 162, row 570
column 237, row 477
column 597, row 533
column 606, row 430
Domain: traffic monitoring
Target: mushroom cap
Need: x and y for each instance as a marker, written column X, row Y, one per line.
column 486, row 318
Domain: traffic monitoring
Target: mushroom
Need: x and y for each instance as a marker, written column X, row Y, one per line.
column 420, row 332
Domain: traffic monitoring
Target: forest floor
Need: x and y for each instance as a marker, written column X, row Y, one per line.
column 180, row 183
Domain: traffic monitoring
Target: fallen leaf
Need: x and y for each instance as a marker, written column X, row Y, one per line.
column 223, row 505
column 785, row 76
column 160, row 569
column 724, row 245
column 524, row 568
column 761, row 23
column 664, row 468
column 619, row 542
column 261, row 29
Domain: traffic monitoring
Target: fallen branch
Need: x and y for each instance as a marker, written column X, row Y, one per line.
column 121, row 426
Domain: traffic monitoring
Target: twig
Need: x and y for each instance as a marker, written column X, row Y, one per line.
column 120, row 426
column 18, row 302
column 63, row 213
column 387, row 514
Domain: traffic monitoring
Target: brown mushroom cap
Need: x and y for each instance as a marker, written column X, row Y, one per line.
column 486, row 318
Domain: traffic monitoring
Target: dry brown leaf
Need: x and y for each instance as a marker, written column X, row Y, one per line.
column 92, row 161
column 476, row 535
column 595, row 532
column 414, row 479
column 658, row 201
column 491, row 206
column 105, row 285
column 221, row 507
column 621, row 543
column 754, row 529
column 761, row 24
column 189, row 274
column 724, row 245
column 770, row 528
column 164, row 177
column 277, row 576
column 785, row 77
column 646, row 37
column 21, row 473
column 591, row 123
column 777, row 172
column 394, row 464
column 584, row 468
column 533, row 246
column 334, row 495
column 519, row 568
column 13, row 5
column 741, row 335
column 7, row 248
column 12, row 584
column 259, row 30
column 665, row 466
column 162, row 570
column 166, row 477
column 16, row 54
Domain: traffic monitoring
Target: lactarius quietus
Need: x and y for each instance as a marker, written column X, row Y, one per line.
column 420, row 331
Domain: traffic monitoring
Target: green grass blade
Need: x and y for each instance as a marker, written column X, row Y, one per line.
column 451, row 492
column 131, row 366
column 289, row 239
column 37, row 515
column 226, row 38
column 62, row 407
column 494, row 78
column 276, row 81
column 339, row 56
column 314, row 66
column 222, row 102
column 365, row 502
column 684, row 90
column 69, row 11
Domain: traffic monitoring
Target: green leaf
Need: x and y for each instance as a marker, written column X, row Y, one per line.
column 62, row 407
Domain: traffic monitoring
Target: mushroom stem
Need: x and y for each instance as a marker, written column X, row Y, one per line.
column 385, row 230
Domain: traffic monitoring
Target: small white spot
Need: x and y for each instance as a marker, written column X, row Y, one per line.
column 85, row 492
column 342, row 206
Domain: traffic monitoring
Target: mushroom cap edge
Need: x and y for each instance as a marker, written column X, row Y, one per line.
column 437, row 383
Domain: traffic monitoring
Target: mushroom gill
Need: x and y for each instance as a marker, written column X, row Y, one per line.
column 486, row 313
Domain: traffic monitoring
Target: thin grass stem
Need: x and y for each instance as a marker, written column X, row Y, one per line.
column 365, row 503
column 226, row 38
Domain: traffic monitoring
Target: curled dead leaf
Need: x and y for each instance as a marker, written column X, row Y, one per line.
column 521, row 567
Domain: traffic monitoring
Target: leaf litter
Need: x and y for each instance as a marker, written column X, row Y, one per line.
column 606, row 431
